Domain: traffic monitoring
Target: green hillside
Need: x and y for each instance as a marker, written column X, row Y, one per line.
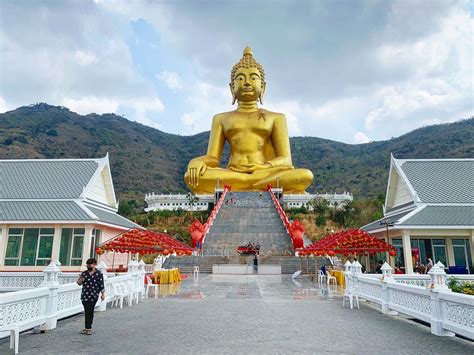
column 145, row 159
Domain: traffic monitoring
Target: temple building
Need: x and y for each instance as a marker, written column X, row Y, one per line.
column 170, row 202
column 173, row 202
column 429, row 213
column 56, row 209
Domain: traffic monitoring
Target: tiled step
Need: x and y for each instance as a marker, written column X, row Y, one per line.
column 289, row 264
column 253, row 218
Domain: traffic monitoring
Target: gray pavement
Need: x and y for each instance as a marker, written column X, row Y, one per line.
column 242, row 314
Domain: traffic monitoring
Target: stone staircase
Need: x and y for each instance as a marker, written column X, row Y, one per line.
column 289, row 264
column 252, row 218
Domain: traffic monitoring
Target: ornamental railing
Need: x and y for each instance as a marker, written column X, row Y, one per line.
column 215, row 210
column 422, row 279
column 52, row 300
column 281, row 212
column 448, row 313
column 16, row 281
column 296, row 240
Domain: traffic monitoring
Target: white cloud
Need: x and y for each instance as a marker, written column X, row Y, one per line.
column 361, row 138
column 3, row 105
column 204, row 101
column 392, row 67
column 87, row 66
column 141, row 106
column 85, row 58
column 91, row 104
column 171, row 79
column 439, row 86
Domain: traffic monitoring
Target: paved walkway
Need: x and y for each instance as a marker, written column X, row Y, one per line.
column 242, row 314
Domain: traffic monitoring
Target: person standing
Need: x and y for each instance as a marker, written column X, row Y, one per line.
column 430, row 265
column 255, row 263
column 92, row 282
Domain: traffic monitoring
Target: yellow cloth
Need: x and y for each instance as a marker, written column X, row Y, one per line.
column 339, row 275
column 167, row 276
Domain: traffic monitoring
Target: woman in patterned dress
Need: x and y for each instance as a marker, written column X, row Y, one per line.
column 92, row 282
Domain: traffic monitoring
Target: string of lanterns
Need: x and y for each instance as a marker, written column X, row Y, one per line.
column 349, row 242
column 144, row 242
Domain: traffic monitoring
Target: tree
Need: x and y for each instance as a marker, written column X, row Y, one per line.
column 320, row 208
column 192, row 200
column 380, row 202
column 348, row 215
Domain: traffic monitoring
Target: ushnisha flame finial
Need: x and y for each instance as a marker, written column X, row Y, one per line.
column 247, row 61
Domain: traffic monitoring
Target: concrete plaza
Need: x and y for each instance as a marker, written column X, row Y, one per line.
column 242, row 314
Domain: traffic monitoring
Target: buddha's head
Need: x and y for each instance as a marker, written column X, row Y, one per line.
column 247, row 79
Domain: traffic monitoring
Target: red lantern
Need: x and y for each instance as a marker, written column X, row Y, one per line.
column 331, row 253
column 393, row 253
column 166, row 252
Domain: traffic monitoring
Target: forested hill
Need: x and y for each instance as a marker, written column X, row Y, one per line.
column 144, row 159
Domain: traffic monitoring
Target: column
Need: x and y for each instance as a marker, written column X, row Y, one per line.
column 3, row 243
column 56, row 242
column 101, row 258
column 388, row 258
column 407, row 252
column 86, row 247
column 450, row 251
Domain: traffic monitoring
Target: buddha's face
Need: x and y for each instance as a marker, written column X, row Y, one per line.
column 247, row 84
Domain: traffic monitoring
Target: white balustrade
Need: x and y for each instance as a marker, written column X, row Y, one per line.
column 423, row 297
column 47, row 300
column 16, row 281
column 423, row 280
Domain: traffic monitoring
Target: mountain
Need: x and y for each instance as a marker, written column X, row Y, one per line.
column 144, row 159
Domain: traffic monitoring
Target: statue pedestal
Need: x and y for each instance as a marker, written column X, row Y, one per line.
column 232, row 269
column 269, row 269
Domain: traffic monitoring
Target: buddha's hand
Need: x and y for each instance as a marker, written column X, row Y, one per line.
column 195, row 170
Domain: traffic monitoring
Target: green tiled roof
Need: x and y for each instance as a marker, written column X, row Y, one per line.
column 45, row 179
column 442, row 216
column 112, row 218
column 42, row 211
column 441, row 181
column 376, row 224
column 50, row 190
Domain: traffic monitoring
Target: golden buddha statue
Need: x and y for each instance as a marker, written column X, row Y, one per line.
column 259, row 145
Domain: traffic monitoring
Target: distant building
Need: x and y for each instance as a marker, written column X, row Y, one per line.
column 169, row 202
column 429, row 212
column 335, row 200
column 56, row 209
column 173, row 202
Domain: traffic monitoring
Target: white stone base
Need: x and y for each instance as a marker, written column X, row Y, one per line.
column 232, row 269
column 269, row 269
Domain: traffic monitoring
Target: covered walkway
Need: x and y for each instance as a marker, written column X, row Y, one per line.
column 247, row 314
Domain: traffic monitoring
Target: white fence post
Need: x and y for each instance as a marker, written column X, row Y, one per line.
column 356, row 270
column 141, row 280
column 437, row 285
column 347, row 276
column 102, row 267
column 356, row 267
column 134, row 273
column 387, row 279
column 50, row 281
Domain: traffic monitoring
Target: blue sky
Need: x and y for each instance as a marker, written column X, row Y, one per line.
column 351, row 71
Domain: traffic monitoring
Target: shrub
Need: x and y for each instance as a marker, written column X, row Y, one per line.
column 465, row 287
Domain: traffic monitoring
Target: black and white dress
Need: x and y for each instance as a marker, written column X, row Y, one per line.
column 92, row 286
